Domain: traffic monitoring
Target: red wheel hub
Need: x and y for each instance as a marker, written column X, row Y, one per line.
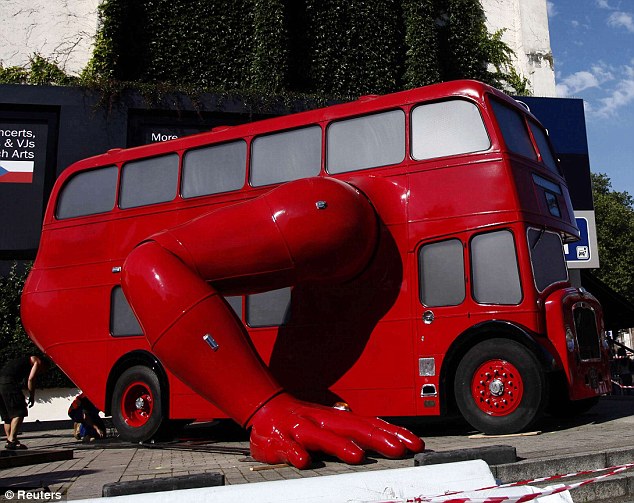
column 497, row 387
column 137, row 404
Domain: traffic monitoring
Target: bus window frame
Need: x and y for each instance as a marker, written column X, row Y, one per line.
column 406, row 110
column 490, row 100
column 540, row 158
column 518, row 265
column 252, row 138
column 483, row 117
column 77, row 174
column 183, row 155
column 122, row 166
column 420, row 264
column 532, row 262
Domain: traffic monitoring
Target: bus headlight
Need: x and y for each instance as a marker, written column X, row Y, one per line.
column 570, row 340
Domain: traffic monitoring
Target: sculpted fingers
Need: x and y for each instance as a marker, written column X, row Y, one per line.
column 314, row 438
column 275, row 447
column 286, row 430
column 413, row 442
column 374, row 434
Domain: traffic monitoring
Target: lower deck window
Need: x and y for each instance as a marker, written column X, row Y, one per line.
column 122, row 319
column 494, row 267
column 268, row 308
column 441, row 273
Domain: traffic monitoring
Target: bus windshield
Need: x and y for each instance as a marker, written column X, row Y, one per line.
column 517, row 137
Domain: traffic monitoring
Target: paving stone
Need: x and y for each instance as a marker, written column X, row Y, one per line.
column 607, row 430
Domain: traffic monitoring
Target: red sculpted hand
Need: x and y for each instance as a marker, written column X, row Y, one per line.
column 285, row 429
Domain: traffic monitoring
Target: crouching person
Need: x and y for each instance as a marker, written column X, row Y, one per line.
column 86, row 415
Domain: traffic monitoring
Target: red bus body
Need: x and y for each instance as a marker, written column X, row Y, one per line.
column 383, row 342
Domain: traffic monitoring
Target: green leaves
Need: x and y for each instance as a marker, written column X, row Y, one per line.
column 335, row 48
column 614, row 212
column 39, row 71
column 13, row 339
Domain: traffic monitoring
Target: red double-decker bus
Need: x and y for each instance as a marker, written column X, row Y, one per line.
column 464, row 305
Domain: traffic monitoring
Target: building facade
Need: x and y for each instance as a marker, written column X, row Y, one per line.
column 63, row 31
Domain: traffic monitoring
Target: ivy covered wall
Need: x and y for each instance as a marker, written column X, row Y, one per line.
column 325, row 47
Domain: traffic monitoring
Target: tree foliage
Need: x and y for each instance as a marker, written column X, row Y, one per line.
column 325, row 47
column 614, row 212
column 13, row 339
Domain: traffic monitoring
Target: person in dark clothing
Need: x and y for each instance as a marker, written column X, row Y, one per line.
column 13, row 408
column 83, row 412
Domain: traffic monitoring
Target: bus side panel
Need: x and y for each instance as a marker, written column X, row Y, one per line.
column 66, row 244
column 192, row 406
column 184, row 403
column 350, row 342
column 73, row 333
column 130, row 230
column 479, row 190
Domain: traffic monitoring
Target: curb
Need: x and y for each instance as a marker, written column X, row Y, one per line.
column 13, row 459
column 163, row 484
column 544, row 467
column 502, row 461
column 612, row 489
column 492, row 455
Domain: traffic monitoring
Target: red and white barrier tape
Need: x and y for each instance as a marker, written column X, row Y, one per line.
column 453, row 497
column 622, row 386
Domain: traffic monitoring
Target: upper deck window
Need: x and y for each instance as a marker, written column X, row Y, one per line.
column 544, row 147
column 514, row 130
column 290, row 155
column 88, row 193
column 215, row 169
column 366, row 142
column 447, row 128
column 149, row 181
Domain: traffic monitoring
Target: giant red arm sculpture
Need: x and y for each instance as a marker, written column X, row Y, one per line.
column 311, row 230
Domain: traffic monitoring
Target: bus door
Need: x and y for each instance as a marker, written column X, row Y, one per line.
column 440, row 312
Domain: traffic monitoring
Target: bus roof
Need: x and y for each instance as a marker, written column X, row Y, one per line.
column 365, row 104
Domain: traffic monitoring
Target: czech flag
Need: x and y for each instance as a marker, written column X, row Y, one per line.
column 16, row 171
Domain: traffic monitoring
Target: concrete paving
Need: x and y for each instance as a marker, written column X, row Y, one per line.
column 604, row 435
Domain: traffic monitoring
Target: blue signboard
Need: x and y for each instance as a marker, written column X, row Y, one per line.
column 583, row 253
column 579, row 250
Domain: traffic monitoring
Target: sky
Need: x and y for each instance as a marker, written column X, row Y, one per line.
column 593, row 49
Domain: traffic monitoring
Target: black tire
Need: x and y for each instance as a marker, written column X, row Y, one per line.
column 137, row 404
column 500, row 387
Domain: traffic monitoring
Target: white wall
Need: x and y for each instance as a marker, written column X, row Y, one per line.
column 60, row 30
column 526, row 25
column 51, row 404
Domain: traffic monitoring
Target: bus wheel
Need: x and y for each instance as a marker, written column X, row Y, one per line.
column 137, row 410
column 500, row 387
